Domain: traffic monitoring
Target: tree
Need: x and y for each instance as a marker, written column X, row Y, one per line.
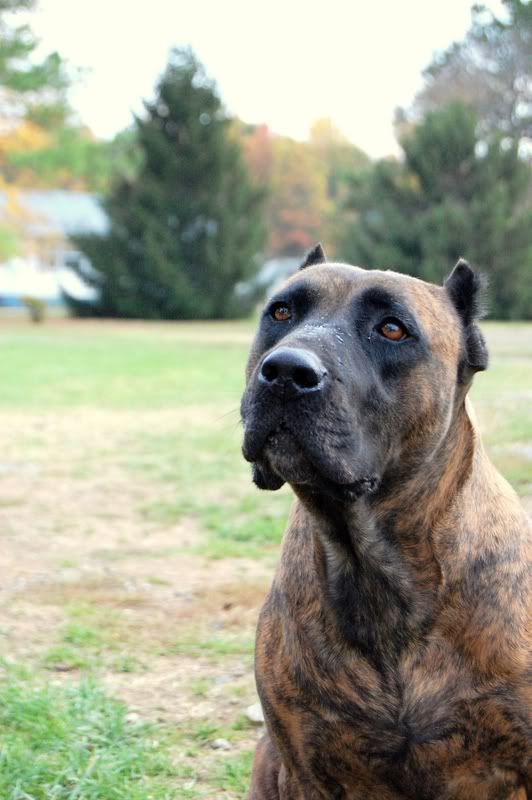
column 295, row 186
column 339, row 157
column 298, row 197
column 490, row 70
column 305, row 182
column 8, row 241
column 41, row 143
column 28, row 86
column 257, row 143
column 187, row 228
column 454, row 195
column 341, row 161
column 67, row 158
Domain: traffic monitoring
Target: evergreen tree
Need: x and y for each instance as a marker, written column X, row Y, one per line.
column 29, row 87
column 187, row 228
column 490, row 70
column 452, row 196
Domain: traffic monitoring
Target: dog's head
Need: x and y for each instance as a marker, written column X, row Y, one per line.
column 353, row 369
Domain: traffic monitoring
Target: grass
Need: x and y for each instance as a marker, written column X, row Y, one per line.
column 88, row 637
column 151, row 367
column 129, row 517
column 231, row 775
column 75, row 742
column 129, row 366
column 502, row 398
column 250, row 526
column 214, row 646
column 156, row 367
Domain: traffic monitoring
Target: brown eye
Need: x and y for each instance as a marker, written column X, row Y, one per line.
column 281, row 313
column 393, row 330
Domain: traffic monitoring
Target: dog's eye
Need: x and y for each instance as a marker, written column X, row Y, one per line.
column 392, row 329
column 281, row 312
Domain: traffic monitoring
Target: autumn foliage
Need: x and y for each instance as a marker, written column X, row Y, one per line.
column 306, row 183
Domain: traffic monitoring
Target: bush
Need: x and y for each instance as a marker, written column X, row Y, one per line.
column 36, row 308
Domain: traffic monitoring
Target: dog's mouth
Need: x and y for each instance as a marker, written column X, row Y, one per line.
column 282, row 455
column 286, row 457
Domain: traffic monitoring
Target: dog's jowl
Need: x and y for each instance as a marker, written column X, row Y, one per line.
column 393, row 655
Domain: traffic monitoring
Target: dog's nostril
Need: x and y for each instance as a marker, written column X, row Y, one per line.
column 305, row 377
column 292, row 370
column 269, row 371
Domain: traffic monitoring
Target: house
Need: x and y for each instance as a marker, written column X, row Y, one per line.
column 47, row 262
column 270, row 275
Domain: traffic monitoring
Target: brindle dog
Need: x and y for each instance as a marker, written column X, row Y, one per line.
column 393, row 654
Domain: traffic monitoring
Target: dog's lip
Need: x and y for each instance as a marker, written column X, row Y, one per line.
column 363, row 486
column 255, row 442
column 255, row 451
column 253, row 445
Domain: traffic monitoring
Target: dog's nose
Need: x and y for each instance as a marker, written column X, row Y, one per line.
column 293, row 371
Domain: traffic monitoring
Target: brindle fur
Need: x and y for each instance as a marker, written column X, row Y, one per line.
column 393, row 656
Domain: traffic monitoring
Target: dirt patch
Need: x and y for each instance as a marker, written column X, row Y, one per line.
column 73, row 536
column 167, row 691
column 204, row 332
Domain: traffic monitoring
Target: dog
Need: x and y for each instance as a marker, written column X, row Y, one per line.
column 393, row 653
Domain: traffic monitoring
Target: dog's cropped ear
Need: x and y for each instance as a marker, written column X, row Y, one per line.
column 266, row 478
column 466, row 288
column 314, row 256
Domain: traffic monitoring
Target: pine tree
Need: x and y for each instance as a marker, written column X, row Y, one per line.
column 490, row 70
column 188, row 227
column 29, row 87
column 453, row 195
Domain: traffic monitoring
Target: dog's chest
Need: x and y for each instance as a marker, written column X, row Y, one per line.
column 372, row 693
column 420, row 732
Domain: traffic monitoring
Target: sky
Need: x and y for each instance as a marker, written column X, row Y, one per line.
column 280, row 62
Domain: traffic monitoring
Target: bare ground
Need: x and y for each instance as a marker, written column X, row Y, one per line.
column 75, row 545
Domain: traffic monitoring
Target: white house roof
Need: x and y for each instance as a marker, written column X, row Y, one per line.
column 59, row 212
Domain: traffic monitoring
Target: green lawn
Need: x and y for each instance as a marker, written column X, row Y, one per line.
column 165, row 366
column 129, row 366
column 137, row 552
column 76, row 743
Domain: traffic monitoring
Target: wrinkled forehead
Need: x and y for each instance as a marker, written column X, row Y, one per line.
column 334, row 285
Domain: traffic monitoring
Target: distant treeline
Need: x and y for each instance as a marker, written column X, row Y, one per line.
column 197, row 200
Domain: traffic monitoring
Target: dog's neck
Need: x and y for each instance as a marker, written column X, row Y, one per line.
column 379, row 556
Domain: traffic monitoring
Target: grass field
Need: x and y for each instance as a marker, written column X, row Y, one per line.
column 135, row 552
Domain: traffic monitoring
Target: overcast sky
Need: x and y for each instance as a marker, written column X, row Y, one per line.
column 283, row 62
